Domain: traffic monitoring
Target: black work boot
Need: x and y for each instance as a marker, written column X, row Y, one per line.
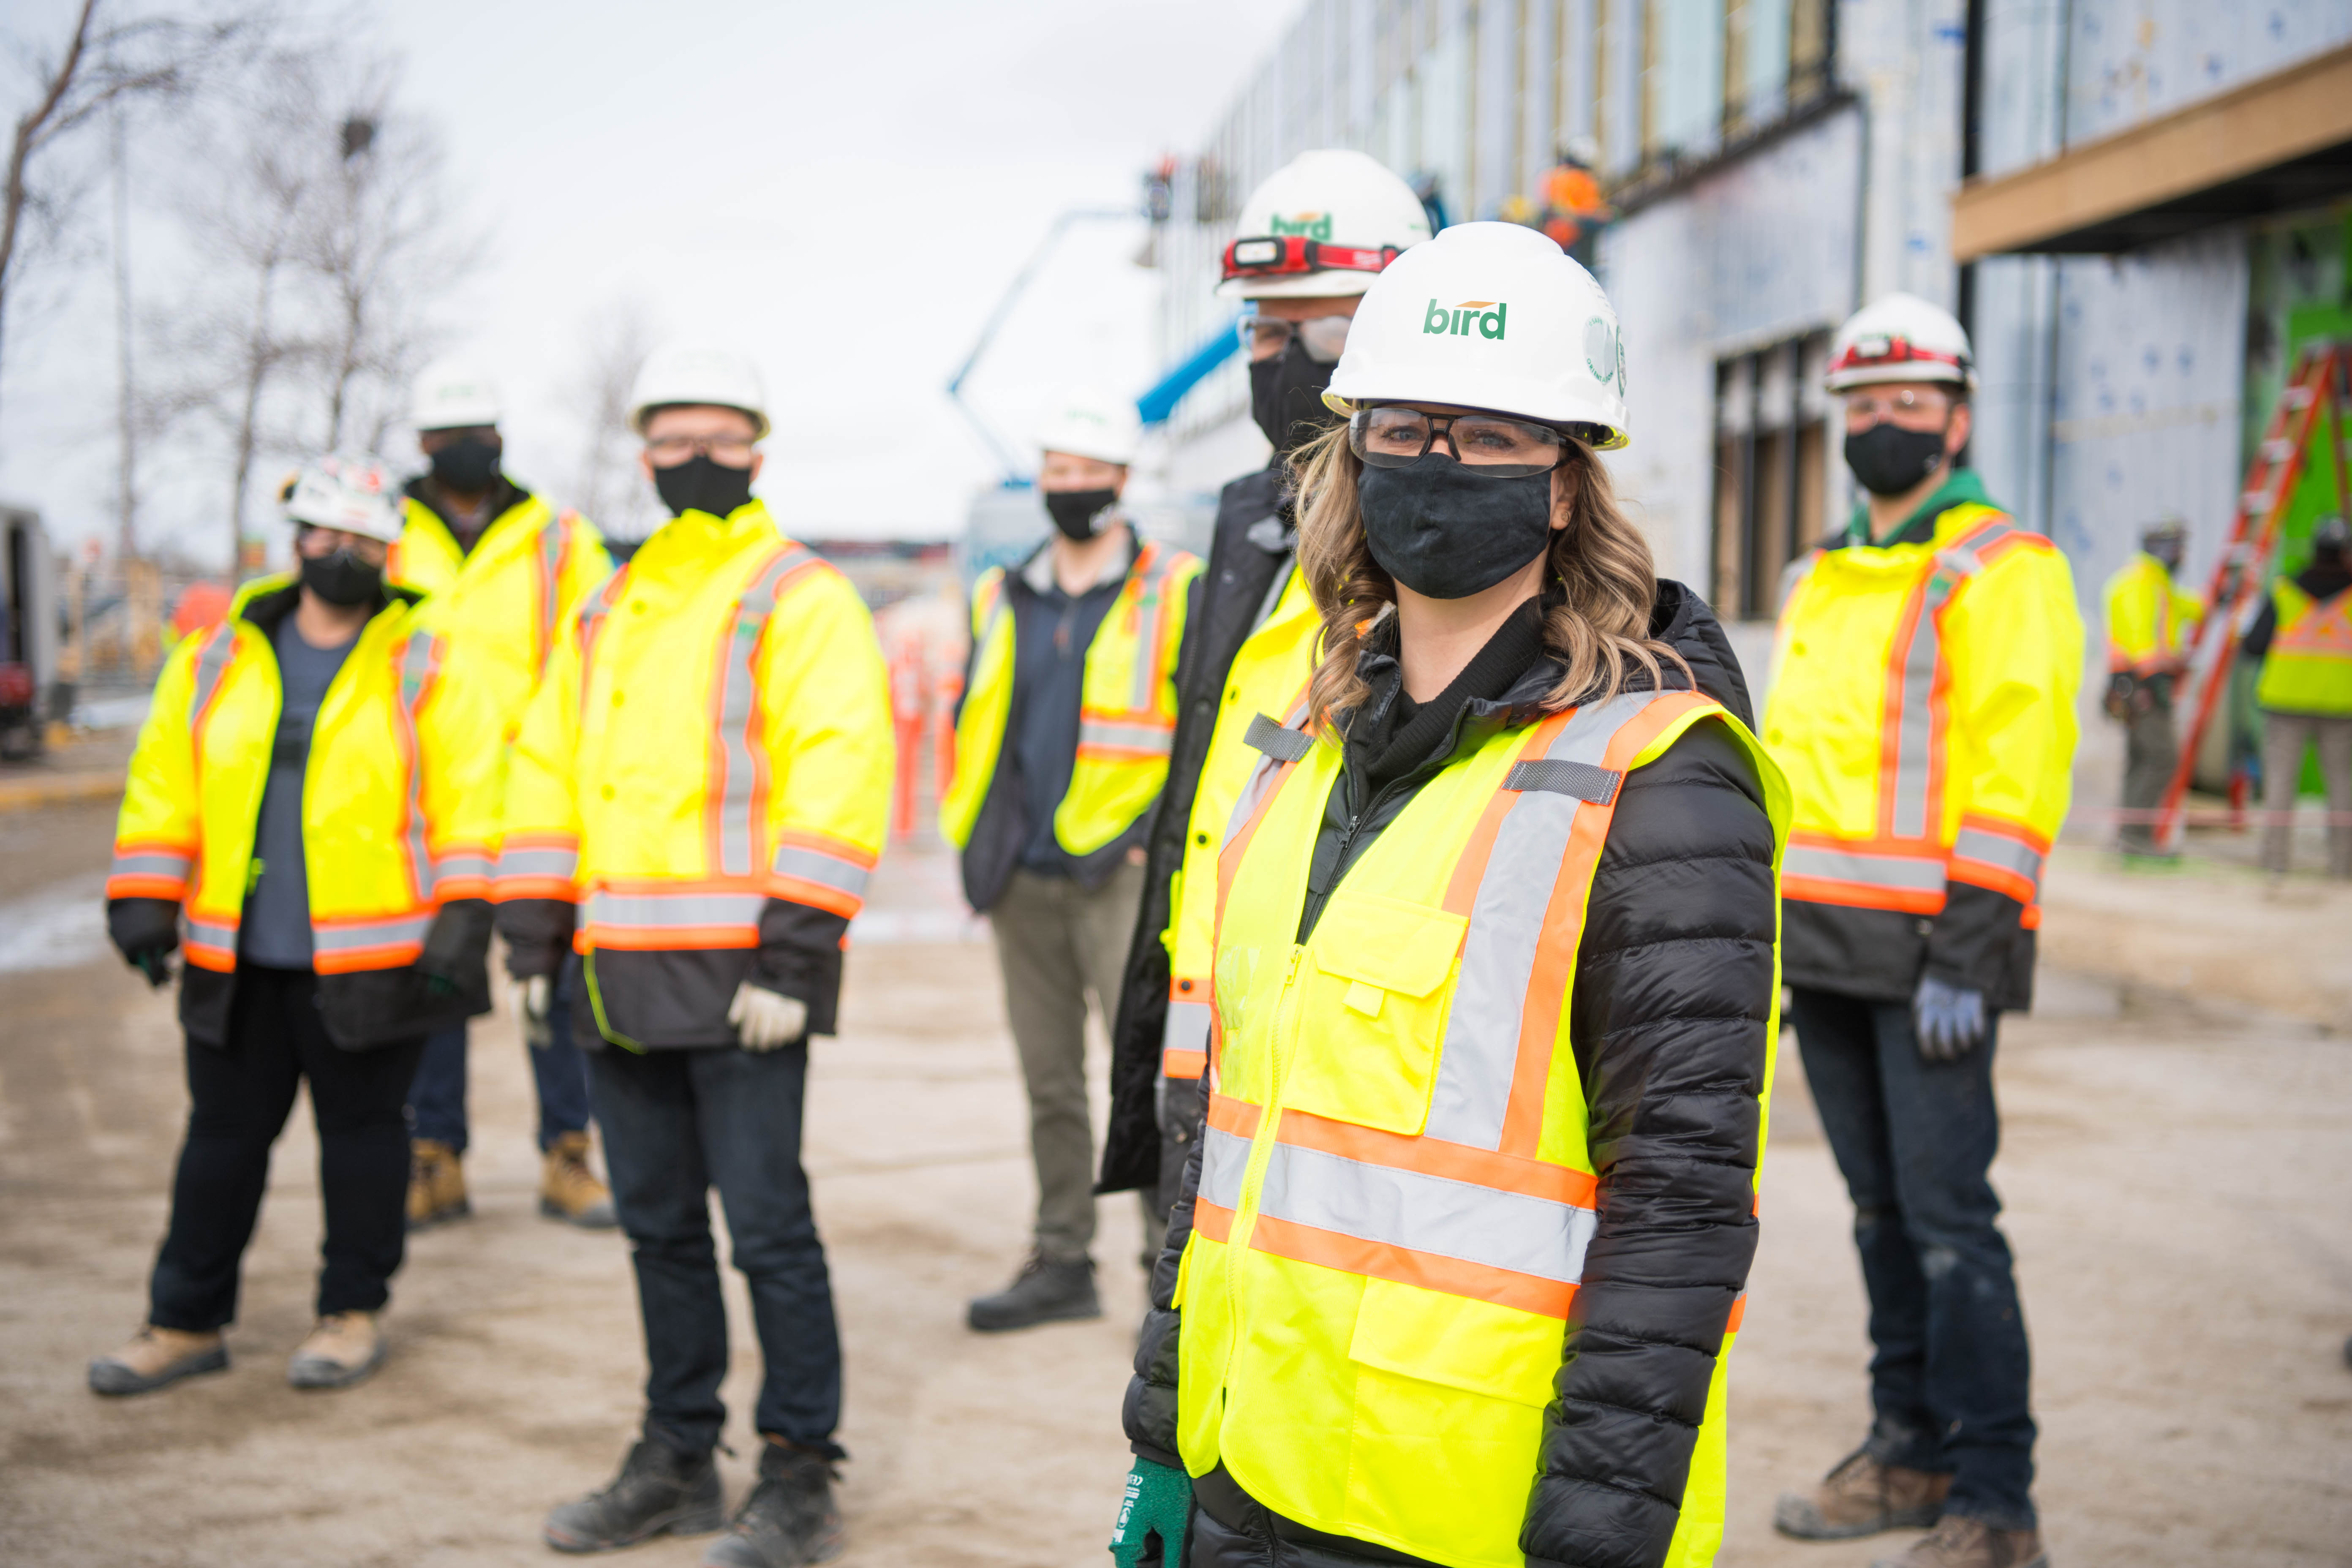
column 789, row 1520
column 1045, row 1291
column 658, row 1491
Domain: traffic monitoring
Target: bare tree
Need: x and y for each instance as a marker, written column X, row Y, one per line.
column 616, row 339
column 109, row 58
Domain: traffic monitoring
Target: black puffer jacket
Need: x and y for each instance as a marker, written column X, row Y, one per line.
column 1673, row 988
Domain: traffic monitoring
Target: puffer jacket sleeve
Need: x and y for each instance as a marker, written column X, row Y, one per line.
column 1150, row 1412
column 1669, row 1021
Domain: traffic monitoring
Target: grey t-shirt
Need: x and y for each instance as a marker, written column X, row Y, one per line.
column 275, row 930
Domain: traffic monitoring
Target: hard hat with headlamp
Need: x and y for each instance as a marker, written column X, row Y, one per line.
column 346, row 492
column 692, row 374
column 1325, row 223
column 1900, row 338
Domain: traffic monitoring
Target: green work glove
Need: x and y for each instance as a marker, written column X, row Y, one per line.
column 1156, row 1503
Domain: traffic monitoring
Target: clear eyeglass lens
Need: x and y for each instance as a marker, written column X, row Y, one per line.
column 672, row 449
column 1393, row 437
column 1325, row 337
column 1906, row 407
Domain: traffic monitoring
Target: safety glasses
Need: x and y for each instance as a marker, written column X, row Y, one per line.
column 1487, row 444
column 1291, row 256
column 1325, row 337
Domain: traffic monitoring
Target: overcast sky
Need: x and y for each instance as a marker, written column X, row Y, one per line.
column 843, row 190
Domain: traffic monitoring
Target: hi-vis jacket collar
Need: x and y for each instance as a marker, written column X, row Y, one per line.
column 1291, row 255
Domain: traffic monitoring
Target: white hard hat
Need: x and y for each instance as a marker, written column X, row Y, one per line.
column 1900, row 338
column 351, row 493
column 1325, row 223
column 692, row 374
column 1088, row 422
column 452, row 393
column 1492, row 316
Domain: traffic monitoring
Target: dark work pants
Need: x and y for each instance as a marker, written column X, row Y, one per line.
column 437, row 1100
column 2151, row 751
column 1913, row 1139
column 240, row 1095
column 676, row 1123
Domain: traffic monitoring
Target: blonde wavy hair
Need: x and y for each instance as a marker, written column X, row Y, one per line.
column 1599, row 569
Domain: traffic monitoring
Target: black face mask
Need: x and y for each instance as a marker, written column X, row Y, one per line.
column 1446, row 534
column 2167, row 554
column 340, row 577
column 1889, row 459
column 1287, row 396
column 469, row 466
column 1077, row 513
column 699, row 484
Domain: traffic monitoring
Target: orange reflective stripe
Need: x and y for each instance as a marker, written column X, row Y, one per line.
column 1404, row 1266
column 148, row 868
column 826, row 873
column 1907, row 874
column 1738, row 1313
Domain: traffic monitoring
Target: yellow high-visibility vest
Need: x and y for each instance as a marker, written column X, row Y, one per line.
column 1923, row 708
column 498, row 608
column 1127, row 706
column 192, row 801
column 1396, row 1193
column 2150, row 620
column 2309, row 667
column 713, row 731
column 1268, row 675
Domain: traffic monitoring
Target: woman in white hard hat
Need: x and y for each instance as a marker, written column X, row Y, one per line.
column 1309, row 241
column 1495, row 972
column 279, row 805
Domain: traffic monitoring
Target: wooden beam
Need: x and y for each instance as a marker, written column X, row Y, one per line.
column 2302, row 110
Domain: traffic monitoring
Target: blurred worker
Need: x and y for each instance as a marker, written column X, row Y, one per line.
column 2303, row 636
column 699, row 788
column 507, row 570
column 1923, row 707
column 2152, row 621
column 1252, row 642
column 1474, row 1201
column 1061, row 745
column 280, row 800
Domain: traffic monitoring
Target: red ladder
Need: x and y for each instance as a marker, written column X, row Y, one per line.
column 2318, row 383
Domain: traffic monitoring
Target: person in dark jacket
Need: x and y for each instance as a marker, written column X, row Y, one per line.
column 1403, row 1213
column 280, row 806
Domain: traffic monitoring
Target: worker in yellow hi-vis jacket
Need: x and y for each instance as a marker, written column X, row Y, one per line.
column 284, row 806
column 697, row 794
column 2152, row 619
column 1923, row 706
column 2303, row 636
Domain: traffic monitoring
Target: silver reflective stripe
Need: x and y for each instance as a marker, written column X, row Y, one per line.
column 150, row 864
column 675, row 910
column 1916, row 735
column 1974, row 844
column 1581, row 781
column 1147, row 646
column 1224, row 1161
column 1187, row 1028
column 1426, row 1213
column 561, row 863
column 211, row 665
column 347, row 937
column 1280, row 743
column 212, row 934
column 1153, row 738
column 826, row 871
column 1480, row 1053
column 1909, row 872
column 420, row 661
column 738, row 681
column 465, row 865
column 551, row 569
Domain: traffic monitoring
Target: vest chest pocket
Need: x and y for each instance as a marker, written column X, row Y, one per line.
column 1374, row 1012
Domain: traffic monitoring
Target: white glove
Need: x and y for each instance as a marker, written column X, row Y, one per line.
column 765, row 1020
column 536, row 995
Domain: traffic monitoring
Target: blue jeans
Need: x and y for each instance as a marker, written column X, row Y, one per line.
column 1914, row 1139
column 678, row 1121
column 437, row 1100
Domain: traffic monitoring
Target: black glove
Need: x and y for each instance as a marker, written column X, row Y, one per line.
column 154, row 963
column 456, row 944
column 2119, row 695
column 146, row 931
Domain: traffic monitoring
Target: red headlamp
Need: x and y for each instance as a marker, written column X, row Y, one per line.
column 1875, row 349
column 1293, row 255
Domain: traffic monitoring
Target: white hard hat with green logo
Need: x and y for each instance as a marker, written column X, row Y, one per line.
column 1492, row 316
column 699, row 376
column 1325, row 223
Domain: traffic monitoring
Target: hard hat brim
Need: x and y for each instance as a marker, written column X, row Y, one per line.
column 1308, row 286
column 638, row 415
column 1909, row 370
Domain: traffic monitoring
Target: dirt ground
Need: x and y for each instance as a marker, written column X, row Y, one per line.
column 2179, row 1175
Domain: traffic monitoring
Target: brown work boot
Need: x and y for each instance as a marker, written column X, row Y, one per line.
column 1863, row 1496
column 344, row 1348
column 436, row 1184
column 1960, row 1541
column 569, row 1190
column 155, row 1357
